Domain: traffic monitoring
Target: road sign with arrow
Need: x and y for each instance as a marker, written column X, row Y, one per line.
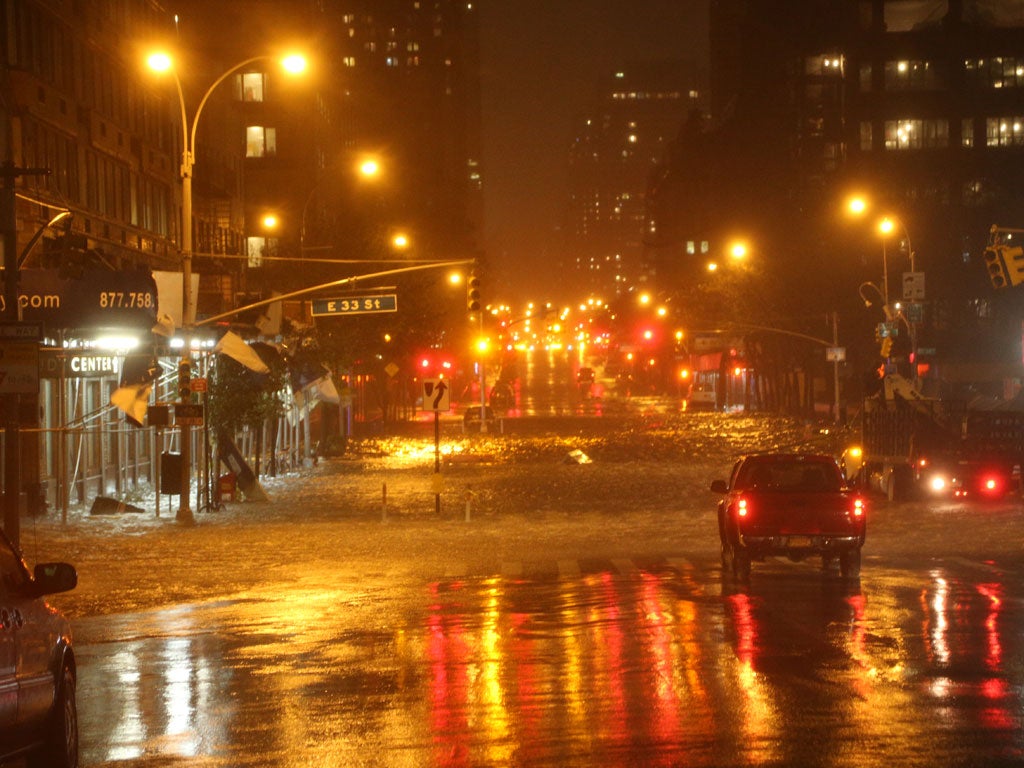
column 436, row 395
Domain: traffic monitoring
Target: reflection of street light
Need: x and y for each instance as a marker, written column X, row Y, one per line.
column 162, row 62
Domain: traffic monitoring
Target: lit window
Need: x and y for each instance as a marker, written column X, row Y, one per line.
column 1004, row 131
column 967, row 132
column 259, row 248
column 910, row 75
column 349, row 61
column 250, row 86
column 260, row 141
column 916, row 134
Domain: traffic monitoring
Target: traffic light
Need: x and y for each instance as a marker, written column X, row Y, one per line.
column 473, row 293
column 996, row 266
column 184, row 380
column 886, row 347
column 1013, row 262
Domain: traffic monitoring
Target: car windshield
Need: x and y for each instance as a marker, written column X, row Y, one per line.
column 795, row 475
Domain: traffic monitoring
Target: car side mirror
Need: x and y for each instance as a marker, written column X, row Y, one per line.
column 51, row 578
column 719, row 486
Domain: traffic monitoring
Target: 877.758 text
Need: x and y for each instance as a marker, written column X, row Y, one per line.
column 127, row 300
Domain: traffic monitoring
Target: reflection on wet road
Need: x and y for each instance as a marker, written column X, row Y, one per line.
column 590, row 663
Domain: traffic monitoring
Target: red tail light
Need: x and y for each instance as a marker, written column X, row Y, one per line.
column 992, row 484
column 742, row 507
column 858, row 507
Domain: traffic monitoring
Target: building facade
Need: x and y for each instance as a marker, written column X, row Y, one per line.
column 638, row 113
column 912, row 105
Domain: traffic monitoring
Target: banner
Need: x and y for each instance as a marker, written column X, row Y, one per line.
column 98, row 299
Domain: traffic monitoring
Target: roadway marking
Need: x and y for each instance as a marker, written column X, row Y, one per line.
column 569, row 568
column 456, row 571
column 625, row 567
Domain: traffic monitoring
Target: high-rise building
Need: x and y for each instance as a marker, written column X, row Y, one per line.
column 637, row 114
column 912, row 104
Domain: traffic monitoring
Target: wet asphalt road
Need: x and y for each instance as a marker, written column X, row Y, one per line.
column 579, row 618
column 583, row 663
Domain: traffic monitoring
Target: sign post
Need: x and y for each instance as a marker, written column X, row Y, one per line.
column 437, row 397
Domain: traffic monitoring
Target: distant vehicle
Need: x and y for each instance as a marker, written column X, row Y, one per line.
column 795, row 505
column 38, row 713
column 912, row 446
column 702, row 400
column 585, row 376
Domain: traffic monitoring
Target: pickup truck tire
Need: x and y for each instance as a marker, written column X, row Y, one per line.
column 849, row 563
column 735, row 561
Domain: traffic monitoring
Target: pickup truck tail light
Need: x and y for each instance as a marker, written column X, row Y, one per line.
column 742, row 507
column 858, row 507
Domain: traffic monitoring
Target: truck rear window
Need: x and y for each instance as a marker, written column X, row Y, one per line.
column 790, row 476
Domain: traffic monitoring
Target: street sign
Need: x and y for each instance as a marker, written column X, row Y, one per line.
column 189, row 414
column 913, row 286
column 355, row 305
column 436, row 395
column 19, row 367
column 835, row 354
column 198, row 385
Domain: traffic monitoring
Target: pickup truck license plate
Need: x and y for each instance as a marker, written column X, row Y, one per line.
column 799, row 541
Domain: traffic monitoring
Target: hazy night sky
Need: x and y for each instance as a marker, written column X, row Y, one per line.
column 541, row 62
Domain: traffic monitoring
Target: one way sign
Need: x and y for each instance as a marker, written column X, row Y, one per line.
column 436, row 396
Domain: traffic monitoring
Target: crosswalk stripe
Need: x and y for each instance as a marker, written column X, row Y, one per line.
column 568, row 568
column 624, row 566
column 456, row 571
column 679, row 563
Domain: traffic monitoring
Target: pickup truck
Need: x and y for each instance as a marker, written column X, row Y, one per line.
column 792, row 504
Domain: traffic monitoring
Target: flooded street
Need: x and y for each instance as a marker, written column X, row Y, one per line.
column 578, row 617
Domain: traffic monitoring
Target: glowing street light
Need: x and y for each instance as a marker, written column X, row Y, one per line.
column 161, row 61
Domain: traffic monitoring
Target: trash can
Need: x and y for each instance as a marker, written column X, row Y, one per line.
column 170, row 473
column 226, row 487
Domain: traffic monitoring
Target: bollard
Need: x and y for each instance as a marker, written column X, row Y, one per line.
column 384, row 503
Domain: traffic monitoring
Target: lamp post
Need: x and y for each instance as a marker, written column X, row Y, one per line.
column 162, row 62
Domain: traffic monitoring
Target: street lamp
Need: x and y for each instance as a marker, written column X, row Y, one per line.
column 162, row 62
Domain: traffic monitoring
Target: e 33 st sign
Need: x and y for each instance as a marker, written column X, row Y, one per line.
column 355, row 305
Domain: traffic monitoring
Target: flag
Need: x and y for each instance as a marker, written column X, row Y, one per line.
column 234, row 346
column 137, row 376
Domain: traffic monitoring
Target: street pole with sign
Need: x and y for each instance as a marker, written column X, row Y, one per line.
column 437, row 397
column 161, row 62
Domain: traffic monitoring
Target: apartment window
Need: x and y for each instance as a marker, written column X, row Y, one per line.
column 259, row 248
column 866, row 137
column 996, row 72
column 1004, row 131
column 916, row 134
column 967, row 132
column 910, row 75
column 250, row 86
column 865, row 77
column 260, row 141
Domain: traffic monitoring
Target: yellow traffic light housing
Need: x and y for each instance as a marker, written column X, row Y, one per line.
column 473, row 293
column 996, row 266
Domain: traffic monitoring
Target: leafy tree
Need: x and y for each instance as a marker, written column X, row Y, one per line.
column 240, row 399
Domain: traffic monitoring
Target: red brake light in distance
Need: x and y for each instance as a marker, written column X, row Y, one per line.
column 991, row 484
